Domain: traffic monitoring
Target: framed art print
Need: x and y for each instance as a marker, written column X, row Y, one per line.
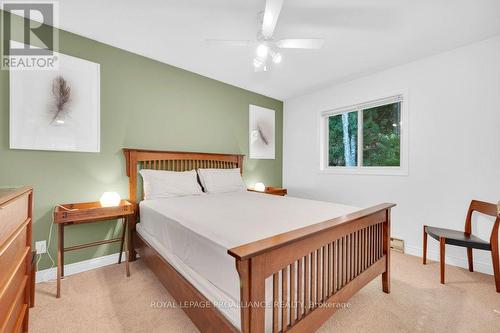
column 56, row 109
column 261, row 132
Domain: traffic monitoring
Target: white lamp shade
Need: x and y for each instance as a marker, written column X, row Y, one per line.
column 110, row 199
column 259, row 187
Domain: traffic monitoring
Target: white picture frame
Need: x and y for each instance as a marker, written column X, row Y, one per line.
column 33, row 125
column 262, row 140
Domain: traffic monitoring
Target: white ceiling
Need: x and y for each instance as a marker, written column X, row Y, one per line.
column 362, row 36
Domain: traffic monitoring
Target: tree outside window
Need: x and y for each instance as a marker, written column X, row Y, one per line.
column 378, row 128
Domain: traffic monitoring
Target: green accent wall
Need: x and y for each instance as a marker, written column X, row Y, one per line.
column 144, row 104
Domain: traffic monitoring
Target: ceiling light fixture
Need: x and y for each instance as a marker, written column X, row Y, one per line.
column 257, row 62
column 277, row 58
column 262, row 50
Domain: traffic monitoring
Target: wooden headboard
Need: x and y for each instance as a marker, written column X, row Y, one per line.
column 138, row 159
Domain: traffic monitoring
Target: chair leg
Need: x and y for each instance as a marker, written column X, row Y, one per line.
column 469, row 257
column 442, row 243
column 425, row 247
column 496, row 268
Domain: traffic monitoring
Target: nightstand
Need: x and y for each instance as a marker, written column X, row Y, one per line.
column 272, row 190
column 90, row 212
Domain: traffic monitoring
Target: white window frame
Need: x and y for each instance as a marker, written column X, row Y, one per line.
column 401, row 170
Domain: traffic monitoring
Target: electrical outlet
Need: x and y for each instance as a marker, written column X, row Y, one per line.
column 41, row 247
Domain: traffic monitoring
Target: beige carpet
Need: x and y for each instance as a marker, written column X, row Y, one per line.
column 104, row 300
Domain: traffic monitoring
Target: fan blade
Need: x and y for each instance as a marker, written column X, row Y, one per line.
column 310, row 43
column 271, row 13
column 228, row 42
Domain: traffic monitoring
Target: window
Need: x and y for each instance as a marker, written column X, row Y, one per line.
column 365, row 138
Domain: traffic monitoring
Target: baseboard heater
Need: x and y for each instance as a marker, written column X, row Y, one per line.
column 397, row 245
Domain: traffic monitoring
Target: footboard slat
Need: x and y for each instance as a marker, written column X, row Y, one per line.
column 307, row 284
column 319, row 268
column 325, row 272
column 313, row 280
column 338, row 265
column 349, row 258
column 300, row 292
column 284, row 299
column 318, row 277
column 344, row 262
column 293, row 289
column 275, row 302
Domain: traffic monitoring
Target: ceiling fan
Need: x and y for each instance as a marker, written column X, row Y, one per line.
column 268, row 49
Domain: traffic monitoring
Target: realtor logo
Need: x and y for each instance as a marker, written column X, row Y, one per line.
column 29, row 38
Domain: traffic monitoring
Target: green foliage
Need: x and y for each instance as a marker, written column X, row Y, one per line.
column 381, row 137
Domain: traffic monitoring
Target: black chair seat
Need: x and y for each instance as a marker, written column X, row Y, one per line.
column 460, row 238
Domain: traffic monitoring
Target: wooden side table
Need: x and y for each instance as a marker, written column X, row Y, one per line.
column 272, row 190
column 88, row 212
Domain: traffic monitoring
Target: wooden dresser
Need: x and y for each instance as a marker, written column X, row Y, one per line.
column 15, row 258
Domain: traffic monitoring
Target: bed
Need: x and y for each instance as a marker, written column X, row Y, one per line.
column 251, row 262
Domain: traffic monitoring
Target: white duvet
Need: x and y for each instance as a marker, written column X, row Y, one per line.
column 194, row 233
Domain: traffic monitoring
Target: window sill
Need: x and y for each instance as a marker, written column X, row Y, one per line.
column 382, row 171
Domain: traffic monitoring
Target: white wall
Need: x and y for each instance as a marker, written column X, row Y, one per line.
column 454, row 145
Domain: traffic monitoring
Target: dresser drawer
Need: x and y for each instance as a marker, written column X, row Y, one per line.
column 11, row 253
column 12, row 214
column 13, row 320
column 14, row 286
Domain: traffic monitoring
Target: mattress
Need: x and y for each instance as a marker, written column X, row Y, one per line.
column 193, row 234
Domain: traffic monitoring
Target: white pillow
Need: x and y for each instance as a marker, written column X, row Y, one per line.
column 168, row 184
column 221, row 180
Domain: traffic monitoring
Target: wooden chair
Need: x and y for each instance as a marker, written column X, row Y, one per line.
column 467, row 239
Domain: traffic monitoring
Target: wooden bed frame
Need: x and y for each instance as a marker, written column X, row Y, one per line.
column 324, row 263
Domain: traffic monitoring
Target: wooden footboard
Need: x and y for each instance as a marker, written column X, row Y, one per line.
column 314, row 269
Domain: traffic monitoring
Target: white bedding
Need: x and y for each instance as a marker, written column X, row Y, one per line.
column 194, row 233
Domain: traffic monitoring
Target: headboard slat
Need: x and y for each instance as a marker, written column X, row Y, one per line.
column 174, row 161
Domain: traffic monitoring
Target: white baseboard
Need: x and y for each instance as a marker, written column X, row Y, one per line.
column 78, row 267
column 482, row 267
